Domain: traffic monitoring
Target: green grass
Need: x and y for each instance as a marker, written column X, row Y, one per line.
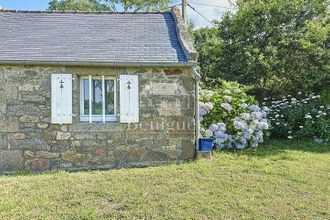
column 282, row 180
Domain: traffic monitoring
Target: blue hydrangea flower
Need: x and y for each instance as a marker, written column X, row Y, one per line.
column 226, row 106
column 254, row 108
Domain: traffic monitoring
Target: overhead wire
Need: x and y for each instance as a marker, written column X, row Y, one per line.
column 202, row 4
column 200, row 14
column 211, row 5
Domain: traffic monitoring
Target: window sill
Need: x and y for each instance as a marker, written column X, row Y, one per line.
column 98, row 119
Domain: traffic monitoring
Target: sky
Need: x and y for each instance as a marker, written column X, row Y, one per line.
column 211, row 9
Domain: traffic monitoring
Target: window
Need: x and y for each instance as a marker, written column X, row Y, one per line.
column 98, row 99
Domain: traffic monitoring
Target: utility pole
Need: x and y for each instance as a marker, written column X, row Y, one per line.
column 185, row 11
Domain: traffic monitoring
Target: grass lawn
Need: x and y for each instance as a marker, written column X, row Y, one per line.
column 278, row 180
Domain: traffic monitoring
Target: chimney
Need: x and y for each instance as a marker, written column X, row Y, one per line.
column 185, row 11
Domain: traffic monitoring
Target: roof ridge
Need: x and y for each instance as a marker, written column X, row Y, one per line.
column 78, row 12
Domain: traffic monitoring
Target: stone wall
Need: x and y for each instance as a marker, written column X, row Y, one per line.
column 28, row 141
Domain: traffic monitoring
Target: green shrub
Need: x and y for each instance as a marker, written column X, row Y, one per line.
column 229, row 93
column 299, row 117
column 231, row 118
column 278, row 47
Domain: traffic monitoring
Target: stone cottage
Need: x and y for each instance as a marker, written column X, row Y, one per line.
column 94, row 90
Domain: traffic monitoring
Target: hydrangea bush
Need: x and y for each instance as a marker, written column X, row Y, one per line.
column 231, row 117
column 299, row 117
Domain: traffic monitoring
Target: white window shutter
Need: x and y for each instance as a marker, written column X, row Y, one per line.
column 61, row 99
column 56, row 97
column 129, row 99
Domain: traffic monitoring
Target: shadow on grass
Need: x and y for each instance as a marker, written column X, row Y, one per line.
column 276, row 147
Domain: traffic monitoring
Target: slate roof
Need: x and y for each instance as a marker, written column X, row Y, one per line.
column 90, row 37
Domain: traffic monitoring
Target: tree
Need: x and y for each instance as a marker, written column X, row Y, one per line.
column 78, row 5
column 108, row 5
column 208, row 46
column 277, row 46
column 139, row 5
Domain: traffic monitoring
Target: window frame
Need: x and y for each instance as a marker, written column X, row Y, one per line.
column 97, row 118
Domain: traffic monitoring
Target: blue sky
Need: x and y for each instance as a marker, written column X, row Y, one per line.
column 24, row 4
column 211, row 9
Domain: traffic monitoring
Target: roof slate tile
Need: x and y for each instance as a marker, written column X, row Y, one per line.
column 102, row 37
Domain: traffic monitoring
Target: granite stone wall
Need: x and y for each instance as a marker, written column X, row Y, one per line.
column 28, row 141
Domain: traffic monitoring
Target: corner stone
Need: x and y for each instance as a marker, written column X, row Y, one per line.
column 188, row 150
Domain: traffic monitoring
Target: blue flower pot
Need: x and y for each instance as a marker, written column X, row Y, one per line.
column 205, row 144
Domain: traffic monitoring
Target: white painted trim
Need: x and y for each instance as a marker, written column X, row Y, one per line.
column 90, row 99
column 56, row 108
column 96, row 118
column 129, row 99
column 115, row 96
column 82, row 97
column 61, row 101
column 61, row 107
column 99, row 118
column 103, row 99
